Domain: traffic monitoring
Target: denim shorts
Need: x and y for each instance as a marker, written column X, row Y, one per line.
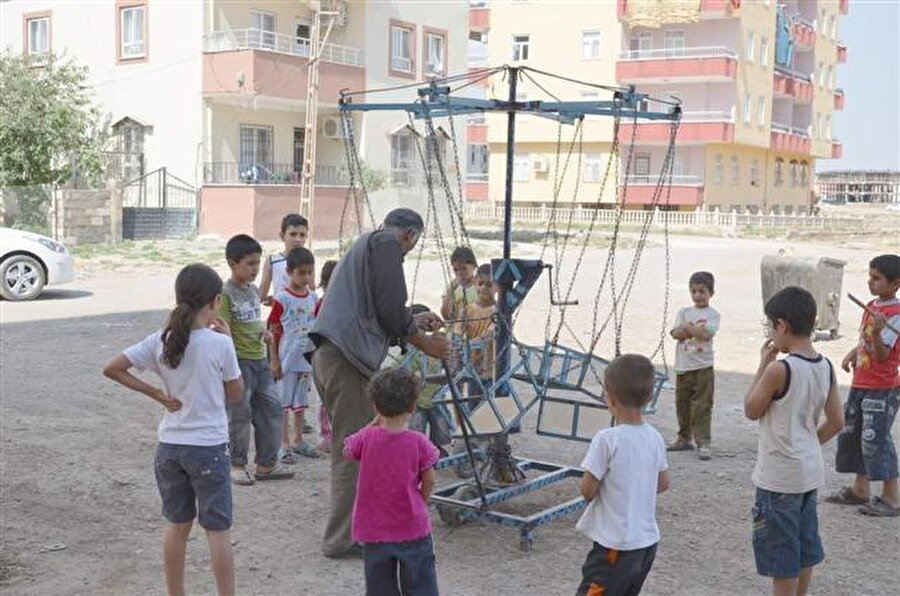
column 195, row 481
column 785, row 533
column 865, row 445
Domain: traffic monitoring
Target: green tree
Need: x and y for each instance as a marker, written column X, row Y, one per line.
column 48, row 125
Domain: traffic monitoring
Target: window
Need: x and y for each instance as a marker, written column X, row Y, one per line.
column 673, row 42
column 590, row 44
column 401, row 157
column 827, row 132
column 761, row 111
column 256, row 149
column 830, row 79
column 819, row 131
column 593, row 167
column 718, row 174
column 132, row 31
column 642, row 167
column 522, row 167
column 735, row 170
column 833, row 26
column 750, row 47
column 477, row 162
column 754, row 172
column 764, row 51
column 821, row 72
column 37, row 44
column 520, row 46
column 639, row 45
column 129, row 136
column 779, row 171
column 262, row 30
column 794, row 172
column 435, row 58
column 402, row 43
column 804, row 172
column 747, row 109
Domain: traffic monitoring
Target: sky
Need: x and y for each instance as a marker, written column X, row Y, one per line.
column 869, row 125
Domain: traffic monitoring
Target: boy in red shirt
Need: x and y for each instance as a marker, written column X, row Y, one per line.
column 865, row 447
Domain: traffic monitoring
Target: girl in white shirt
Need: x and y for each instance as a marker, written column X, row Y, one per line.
column 195, row 359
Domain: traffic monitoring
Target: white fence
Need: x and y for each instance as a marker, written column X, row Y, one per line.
column 676, row 219
column 259, row 39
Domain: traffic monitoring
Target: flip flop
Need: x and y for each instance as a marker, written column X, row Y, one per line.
column 845, row 496
column 242, row 477
column 306, row 450
column 279, row 472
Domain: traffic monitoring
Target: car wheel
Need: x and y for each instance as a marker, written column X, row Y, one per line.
column 22, row 278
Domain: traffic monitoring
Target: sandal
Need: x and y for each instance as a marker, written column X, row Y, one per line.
column 306, row 450
column 279, row 472
column 286, row 456
column 846, row 496
column 242, row 477
column 880, row 508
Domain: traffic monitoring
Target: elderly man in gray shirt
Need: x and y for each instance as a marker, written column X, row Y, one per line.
column 364, row 314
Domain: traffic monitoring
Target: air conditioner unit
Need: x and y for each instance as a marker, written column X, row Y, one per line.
column 541, row 164
column 332, row 129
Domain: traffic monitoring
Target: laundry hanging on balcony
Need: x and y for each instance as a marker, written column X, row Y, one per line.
column 784, row 42
column 656, row 13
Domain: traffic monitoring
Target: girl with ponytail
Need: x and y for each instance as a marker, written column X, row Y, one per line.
column 194, row 358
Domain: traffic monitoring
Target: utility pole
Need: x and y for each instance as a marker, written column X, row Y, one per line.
column 317, row 43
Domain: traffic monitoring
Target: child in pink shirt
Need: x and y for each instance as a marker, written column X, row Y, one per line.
column 396, row 477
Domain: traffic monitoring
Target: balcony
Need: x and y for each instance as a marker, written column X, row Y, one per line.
column 804, row 33
column 789, row 83
column 479, row 18
column 685, row 190
column 844, row 6
column 837, row 149
column 251, row 62
column 841, row 53
column 789, row 139
column 269, row 174
column 708, row 9
column 663, row 65
column 696, row 128
column 838, row 99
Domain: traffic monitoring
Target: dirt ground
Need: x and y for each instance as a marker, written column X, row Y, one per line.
column 80, row 513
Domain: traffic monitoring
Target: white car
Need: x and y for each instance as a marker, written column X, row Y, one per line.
column 29, row 262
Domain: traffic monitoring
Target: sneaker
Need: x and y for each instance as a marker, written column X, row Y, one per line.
column 878, row 507
column 680, row 444
column 306, row 450
column 704, row 453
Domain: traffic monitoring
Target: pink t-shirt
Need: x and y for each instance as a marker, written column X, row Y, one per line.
column 389, row 506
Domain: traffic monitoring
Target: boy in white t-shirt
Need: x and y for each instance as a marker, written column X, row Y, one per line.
column 625, row 467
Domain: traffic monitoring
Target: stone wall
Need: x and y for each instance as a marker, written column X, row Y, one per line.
column 88, row 216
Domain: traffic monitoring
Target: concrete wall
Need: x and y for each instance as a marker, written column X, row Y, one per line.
column 86, row 217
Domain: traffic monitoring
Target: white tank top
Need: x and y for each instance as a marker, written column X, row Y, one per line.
column 280, row 277
column 789, row 457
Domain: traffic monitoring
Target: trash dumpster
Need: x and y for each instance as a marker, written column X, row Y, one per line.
column 821, row 276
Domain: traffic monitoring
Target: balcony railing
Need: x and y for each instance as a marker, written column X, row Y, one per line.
column 669, row 53
column 707, row 116
column 259, row 39
column 677, row 180
column 789, row 129
column 796, row 74
column 229, row 172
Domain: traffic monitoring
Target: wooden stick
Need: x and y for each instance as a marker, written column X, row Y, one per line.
column 863, row 306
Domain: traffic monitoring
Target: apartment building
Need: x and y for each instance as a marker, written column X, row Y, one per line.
column 216, row 92
column 756, row 81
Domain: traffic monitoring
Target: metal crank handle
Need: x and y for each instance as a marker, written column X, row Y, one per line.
column 556, row 301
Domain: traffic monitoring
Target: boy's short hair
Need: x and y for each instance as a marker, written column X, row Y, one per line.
column 297, row 257
column 241, row 246
column 484, row 270
column 796, row 307
column 464, row 256
column 293, row 220
column 393, row 391
column 888, row 265
column 631, row 378
column 703, row 278
column 418, row 309
column 404, row 219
